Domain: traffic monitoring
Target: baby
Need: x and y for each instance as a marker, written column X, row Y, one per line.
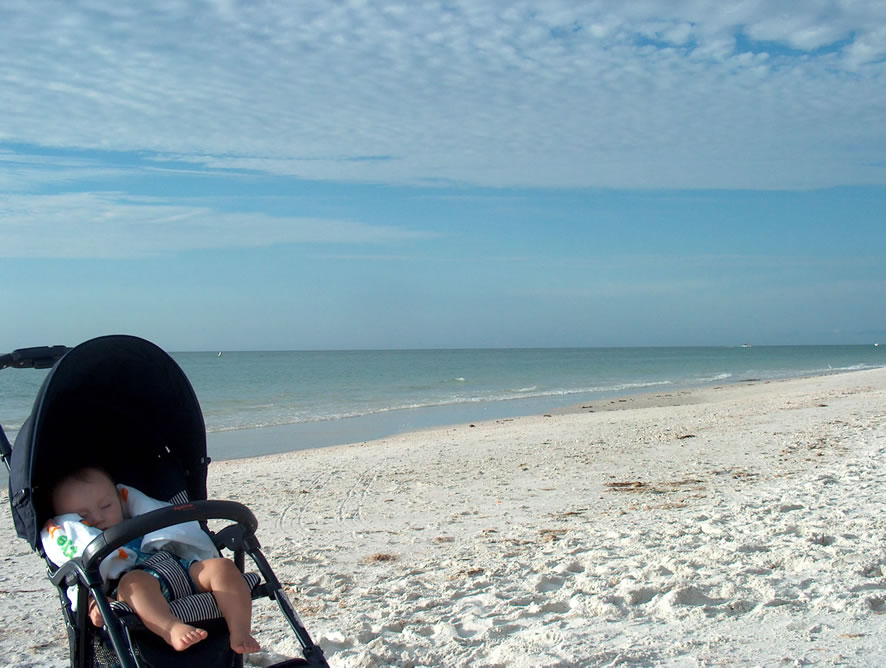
column 91, row 493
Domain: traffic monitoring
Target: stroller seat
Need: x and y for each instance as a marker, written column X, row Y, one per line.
column 122, row 404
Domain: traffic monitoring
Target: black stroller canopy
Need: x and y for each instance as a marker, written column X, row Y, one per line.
column 117, row 402
column 122, row 404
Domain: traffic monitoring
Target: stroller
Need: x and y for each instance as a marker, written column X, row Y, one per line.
column 124, row 404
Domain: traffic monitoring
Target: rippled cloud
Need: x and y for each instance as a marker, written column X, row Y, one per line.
column 116, row 225
column 101, row 99
column 556, row 94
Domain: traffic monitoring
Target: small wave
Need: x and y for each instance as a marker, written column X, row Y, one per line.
column 714, row 379
column 654, row 383
column 445, row 381
column 777, row 374
column 832, row 369
column 523, row 393
column 840, row 369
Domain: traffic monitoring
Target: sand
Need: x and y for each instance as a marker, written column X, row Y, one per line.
column 740, row 525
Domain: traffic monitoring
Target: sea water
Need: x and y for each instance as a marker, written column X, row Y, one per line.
column 328, row 397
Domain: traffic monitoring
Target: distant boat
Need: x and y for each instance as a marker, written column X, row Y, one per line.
column 745, row 345
column 219, row 353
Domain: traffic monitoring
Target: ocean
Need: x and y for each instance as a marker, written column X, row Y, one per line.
column 261, row 402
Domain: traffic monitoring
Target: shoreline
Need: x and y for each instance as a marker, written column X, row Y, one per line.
column 741, row 523
column 279, row 439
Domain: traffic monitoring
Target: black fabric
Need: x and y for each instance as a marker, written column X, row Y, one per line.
column 153, row 652
column 118, row 402
column 20, row 485
column 121, row 403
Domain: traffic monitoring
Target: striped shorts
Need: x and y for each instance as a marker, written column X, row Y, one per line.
column 172, row 573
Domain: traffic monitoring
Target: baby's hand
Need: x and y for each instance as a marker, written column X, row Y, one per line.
column 95, row 615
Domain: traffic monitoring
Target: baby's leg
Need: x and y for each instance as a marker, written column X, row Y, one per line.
column 143, row 594
column 224, row 580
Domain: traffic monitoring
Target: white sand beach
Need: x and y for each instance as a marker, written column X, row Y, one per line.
column 738, row 525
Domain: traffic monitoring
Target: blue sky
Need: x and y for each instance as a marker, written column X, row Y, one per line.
column 233, row 175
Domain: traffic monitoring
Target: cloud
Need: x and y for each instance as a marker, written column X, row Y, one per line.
column 553, row 94
column 23, row 172
column 112, row 225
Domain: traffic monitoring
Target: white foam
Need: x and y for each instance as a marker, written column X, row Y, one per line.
column 715, row 379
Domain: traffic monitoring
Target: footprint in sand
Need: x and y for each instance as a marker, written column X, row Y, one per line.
column 641, row 596
column 548, row 583
column 688, row 596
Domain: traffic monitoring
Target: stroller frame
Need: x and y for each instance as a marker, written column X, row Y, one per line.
column 83, row 571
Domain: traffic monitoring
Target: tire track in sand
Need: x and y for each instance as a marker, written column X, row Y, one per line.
column 305, row 508
column 351, row 509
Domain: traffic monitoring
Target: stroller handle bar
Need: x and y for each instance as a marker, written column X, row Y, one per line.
column 42, row 357
column 122, row 533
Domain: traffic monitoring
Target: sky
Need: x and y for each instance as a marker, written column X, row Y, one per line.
column 225, row 175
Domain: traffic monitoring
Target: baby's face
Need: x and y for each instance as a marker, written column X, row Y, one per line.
column 95, row 500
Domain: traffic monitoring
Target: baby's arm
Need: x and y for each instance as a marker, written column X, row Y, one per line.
column 95, row 615
column 64, row 537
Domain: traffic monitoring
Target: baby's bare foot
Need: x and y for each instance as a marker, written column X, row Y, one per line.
column 244, row 643
column 181, row 636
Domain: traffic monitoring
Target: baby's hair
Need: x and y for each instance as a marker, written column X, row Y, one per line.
column 85, row 474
